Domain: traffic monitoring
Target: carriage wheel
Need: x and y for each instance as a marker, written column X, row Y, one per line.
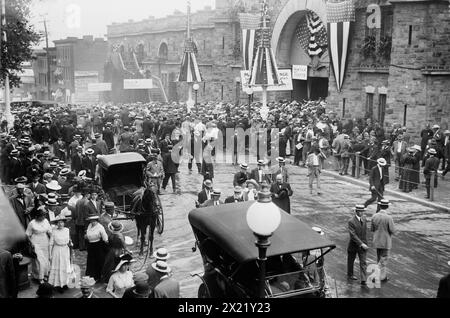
column 160, row 222
column 203, row 291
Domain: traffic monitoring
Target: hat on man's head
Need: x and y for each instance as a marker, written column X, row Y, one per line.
column 252, row 181
column 261, row 163
column 237, row 189
column 432, row 151
column 115, row 227
column 447, row 132
column 382, row 162
column 140, row 277
column 244, row 166
column 359, row 207
column 161, row 254
column 53, row 185
column 87, row 282
column 384, row 203
column 14, row 152
column 97, row 135
column 64, row 172
column 90, row 151
column 21, row 180
column 281, row 160
column 208, row 183
column 161, row 267
column 217, row 192
column 436, row 127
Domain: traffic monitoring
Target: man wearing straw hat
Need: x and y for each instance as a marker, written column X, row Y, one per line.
column 87, row 287
column 167, row 287
column 431, row 165
column 161, row 254
column 357, row 228
column 377, row 182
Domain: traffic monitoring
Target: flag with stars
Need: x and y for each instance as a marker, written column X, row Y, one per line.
column 312, row 34
column 340, row 16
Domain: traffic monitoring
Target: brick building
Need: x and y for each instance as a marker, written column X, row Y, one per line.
column 40, row 73
column 80, row 62
column 397, row 73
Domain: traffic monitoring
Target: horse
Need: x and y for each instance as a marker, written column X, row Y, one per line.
column 146, row 207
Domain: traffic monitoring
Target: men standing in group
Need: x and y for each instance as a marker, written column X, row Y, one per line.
column 259, row 175
column 237, row 197
column 377, row 183
column 242, row 176
column 383, row 228
column 357, row 228
column 431, row 166
column 398, row 151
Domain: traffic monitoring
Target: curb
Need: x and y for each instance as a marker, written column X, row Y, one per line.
column 390, row 192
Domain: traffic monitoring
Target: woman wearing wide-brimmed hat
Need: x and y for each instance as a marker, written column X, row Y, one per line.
column 251, row 191
column 407, row 161
column 122, row 277
column 39, row 232
column 116, row 248
column 97, row 238
column 60, row 244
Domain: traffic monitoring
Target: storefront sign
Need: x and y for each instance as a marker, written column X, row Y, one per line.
column 99, row 87
column 137, row 84
column 300, row 72
column 285, row 79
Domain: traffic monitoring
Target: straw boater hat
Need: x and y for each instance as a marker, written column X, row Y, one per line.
column 382, row 162
column 318, row 230
column 281, row 160
column 51, row 201
column 384, row 202
column 432, row 151
column 93, row 217
column 252, row 182
column 359, row 207
column 60, row 217
column 21, row 180
column 244, row 166
column 64, row 172
column 217, row 192
column 417, row 147
column 161, row 267
column 115, row 227
column 207, row 183
column 261, row 163
column 87, row 282
column 53, row 185
column 161, row 254
column 90, row 151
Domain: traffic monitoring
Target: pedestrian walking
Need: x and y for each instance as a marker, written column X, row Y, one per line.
column 97, row 238
column 377, row 183
column 383, row 229
column 60, row 244
column 281, row 193
column 314, row 170
column 357, row 228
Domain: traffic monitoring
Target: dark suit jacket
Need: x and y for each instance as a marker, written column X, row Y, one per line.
column 374, row 179
column 90, row 166
column 358, row 233
column 76, row 163
column 209, row 203
column 444, row 287
column 167, row 288
column 91, row 210
column 39, row 189
column 202, row 197
column 255, row 175
column 284, row 191
column 233, row 200
column 8, row 287
column 240, row 178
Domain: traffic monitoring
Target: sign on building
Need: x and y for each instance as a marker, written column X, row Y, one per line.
column 285, row 78
column 300, row 72
column 82, row 92
column 99, row 87
column 137, row 83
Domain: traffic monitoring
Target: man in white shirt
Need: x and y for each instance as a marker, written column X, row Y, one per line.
column 314, row 170
column 398, row 151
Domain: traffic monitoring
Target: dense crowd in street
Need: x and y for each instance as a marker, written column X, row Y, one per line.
column 49, row 169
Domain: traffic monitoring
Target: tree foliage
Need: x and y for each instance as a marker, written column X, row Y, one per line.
column 21, row 37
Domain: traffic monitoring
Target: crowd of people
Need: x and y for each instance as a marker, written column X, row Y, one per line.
column 49, row 168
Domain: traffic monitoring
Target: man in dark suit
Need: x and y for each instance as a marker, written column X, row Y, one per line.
column 237, row 197
column 444, row 286
column 214, row 201
column 377, row 182
column 8, row 286
column 242, row 176
column 36, row 187
column 77, row 159
column 281, row 191
column 167, row 287
column 94, row 206
column 357, row 228
column 431, row 165
column 205, row 194
column 89, row 163
column 147, row 127
column 259, row 175
column 165, row 144
column 79, row 218
column 170, row 169
column 108, row 136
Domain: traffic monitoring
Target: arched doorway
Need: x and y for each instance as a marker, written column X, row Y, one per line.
column 293, row 45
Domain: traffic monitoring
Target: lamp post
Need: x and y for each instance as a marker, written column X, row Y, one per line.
column 196, row 88
column 263, row 218
column 249, row 92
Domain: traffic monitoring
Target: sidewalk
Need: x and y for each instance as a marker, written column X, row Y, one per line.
column 441, row 193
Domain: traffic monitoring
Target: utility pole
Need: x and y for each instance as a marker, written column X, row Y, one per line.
column 8, row 115
column 49, row 76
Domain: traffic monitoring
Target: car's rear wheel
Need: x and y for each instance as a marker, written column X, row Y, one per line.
column 203, row 291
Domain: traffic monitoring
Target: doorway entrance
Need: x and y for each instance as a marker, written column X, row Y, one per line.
column 313, row 89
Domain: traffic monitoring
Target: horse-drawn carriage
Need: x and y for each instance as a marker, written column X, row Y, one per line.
column 122, row 177
column 294, row 263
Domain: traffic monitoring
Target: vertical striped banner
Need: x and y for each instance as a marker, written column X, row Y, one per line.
column 249, row 25
column 341, row 16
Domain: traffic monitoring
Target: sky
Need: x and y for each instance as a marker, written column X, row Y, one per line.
column 90, row 17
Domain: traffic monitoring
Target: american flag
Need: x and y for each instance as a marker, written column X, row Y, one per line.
column 340, row 17
column 312, row 34
column 249, row 25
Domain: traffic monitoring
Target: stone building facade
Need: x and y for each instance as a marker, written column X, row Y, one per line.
column 398, row 73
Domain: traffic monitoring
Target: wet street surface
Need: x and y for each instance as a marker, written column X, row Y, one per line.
column 421, row 246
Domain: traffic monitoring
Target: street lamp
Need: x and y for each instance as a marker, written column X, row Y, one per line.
column 196, row 88
column 263, row 218
column 249, row 92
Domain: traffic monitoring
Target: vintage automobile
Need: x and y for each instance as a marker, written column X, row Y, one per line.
column 294, row 259
column 120, row 176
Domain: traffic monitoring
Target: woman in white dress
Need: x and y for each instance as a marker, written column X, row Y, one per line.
column 121, row 279
column 251, row 192
column 39, row 232
column 60, row 255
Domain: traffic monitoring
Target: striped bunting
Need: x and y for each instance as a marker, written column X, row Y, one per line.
column 249, row 25
column 190, row 71
column 340, row 18
column 312, row 34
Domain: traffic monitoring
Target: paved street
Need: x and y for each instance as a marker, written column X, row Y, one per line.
column 420, row 249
